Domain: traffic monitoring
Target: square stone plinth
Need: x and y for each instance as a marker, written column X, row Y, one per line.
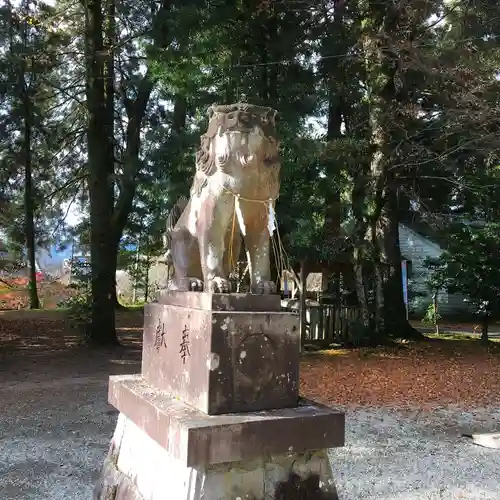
column 222, row 360
column 138, row 468
column 194, row 438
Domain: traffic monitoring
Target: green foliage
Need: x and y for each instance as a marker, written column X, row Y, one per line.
column 470, row 266
column 412, row 129
column 436, row 279
column 79, row 306
column 432, row 317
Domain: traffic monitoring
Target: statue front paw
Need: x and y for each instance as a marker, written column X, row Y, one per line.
column 186, row 285
column 195, row 285
column 219, row 285
column 264, row 287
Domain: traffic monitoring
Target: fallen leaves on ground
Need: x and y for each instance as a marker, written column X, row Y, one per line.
column 14, row 293
column 423, row 374
column 417, row 374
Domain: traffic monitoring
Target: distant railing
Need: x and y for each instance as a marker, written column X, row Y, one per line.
column 327, row 324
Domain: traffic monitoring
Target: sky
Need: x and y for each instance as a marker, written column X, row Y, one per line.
column 73, row 216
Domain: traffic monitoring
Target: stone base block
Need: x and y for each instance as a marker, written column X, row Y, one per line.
column 193, row 438
column 222, row 360
column 138, row 468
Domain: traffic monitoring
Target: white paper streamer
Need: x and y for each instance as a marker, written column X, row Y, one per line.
column 272, row 218
column 239, row 215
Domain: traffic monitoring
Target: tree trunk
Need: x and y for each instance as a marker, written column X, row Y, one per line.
column 335, row 79
column 484, row 331
column 436, row 310
column 359, row 255
column 272, row 36
column 361, row 291
column 110, row 41
column 136, row 271
column 263, row 91
column 381, row 66
column 302, row 303
column 379, row 305
column 29, row 205
column 179, row 115
column 377, row 199
column 396, row 322
column 29, row 209
column 136, row 111
column 100, row 181
column 333, row 213
column 29, row 214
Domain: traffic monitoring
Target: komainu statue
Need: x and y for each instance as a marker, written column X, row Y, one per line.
column 232, row 196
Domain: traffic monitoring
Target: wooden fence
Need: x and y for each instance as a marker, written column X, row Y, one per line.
column 327, row 323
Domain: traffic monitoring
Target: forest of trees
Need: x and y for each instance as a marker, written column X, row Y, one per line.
column 389, row 110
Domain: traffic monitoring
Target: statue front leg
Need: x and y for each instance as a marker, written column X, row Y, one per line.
column 211, row 237
column 214, row 275
column 257, row 242
column 185, row 257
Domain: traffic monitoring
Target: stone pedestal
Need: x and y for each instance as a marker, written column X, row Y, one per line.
column 219, row 359
column 215, row 414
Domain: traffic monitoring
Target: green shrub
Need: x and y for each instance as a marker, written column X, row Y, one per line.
column 79, row 306
column 431, row 316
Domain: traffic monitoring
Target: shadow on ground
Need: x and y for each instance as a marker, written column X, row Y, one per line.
column 43, row 346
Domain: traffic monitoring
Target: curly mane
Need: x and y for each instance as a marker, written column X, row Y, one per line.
column 240, row 116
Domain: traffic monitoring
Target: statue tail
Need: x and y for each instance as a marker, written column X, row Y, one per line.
column 172, row 219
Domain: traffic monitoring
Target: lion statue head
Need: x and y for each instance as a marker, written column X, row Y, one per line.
column 241, row 141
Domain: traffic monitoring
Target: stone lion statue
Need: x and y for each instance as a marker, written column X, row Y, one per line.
column 232, row 196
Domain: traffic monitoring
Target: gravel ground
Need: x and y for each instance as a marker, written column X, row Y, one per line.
column 55, row 433
column 53, row 437
column 415, row 455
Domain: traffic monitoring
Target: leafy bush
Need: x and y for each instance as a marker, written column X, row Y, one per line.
column 431, row 316
column 469, row 266
column 79, row 306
